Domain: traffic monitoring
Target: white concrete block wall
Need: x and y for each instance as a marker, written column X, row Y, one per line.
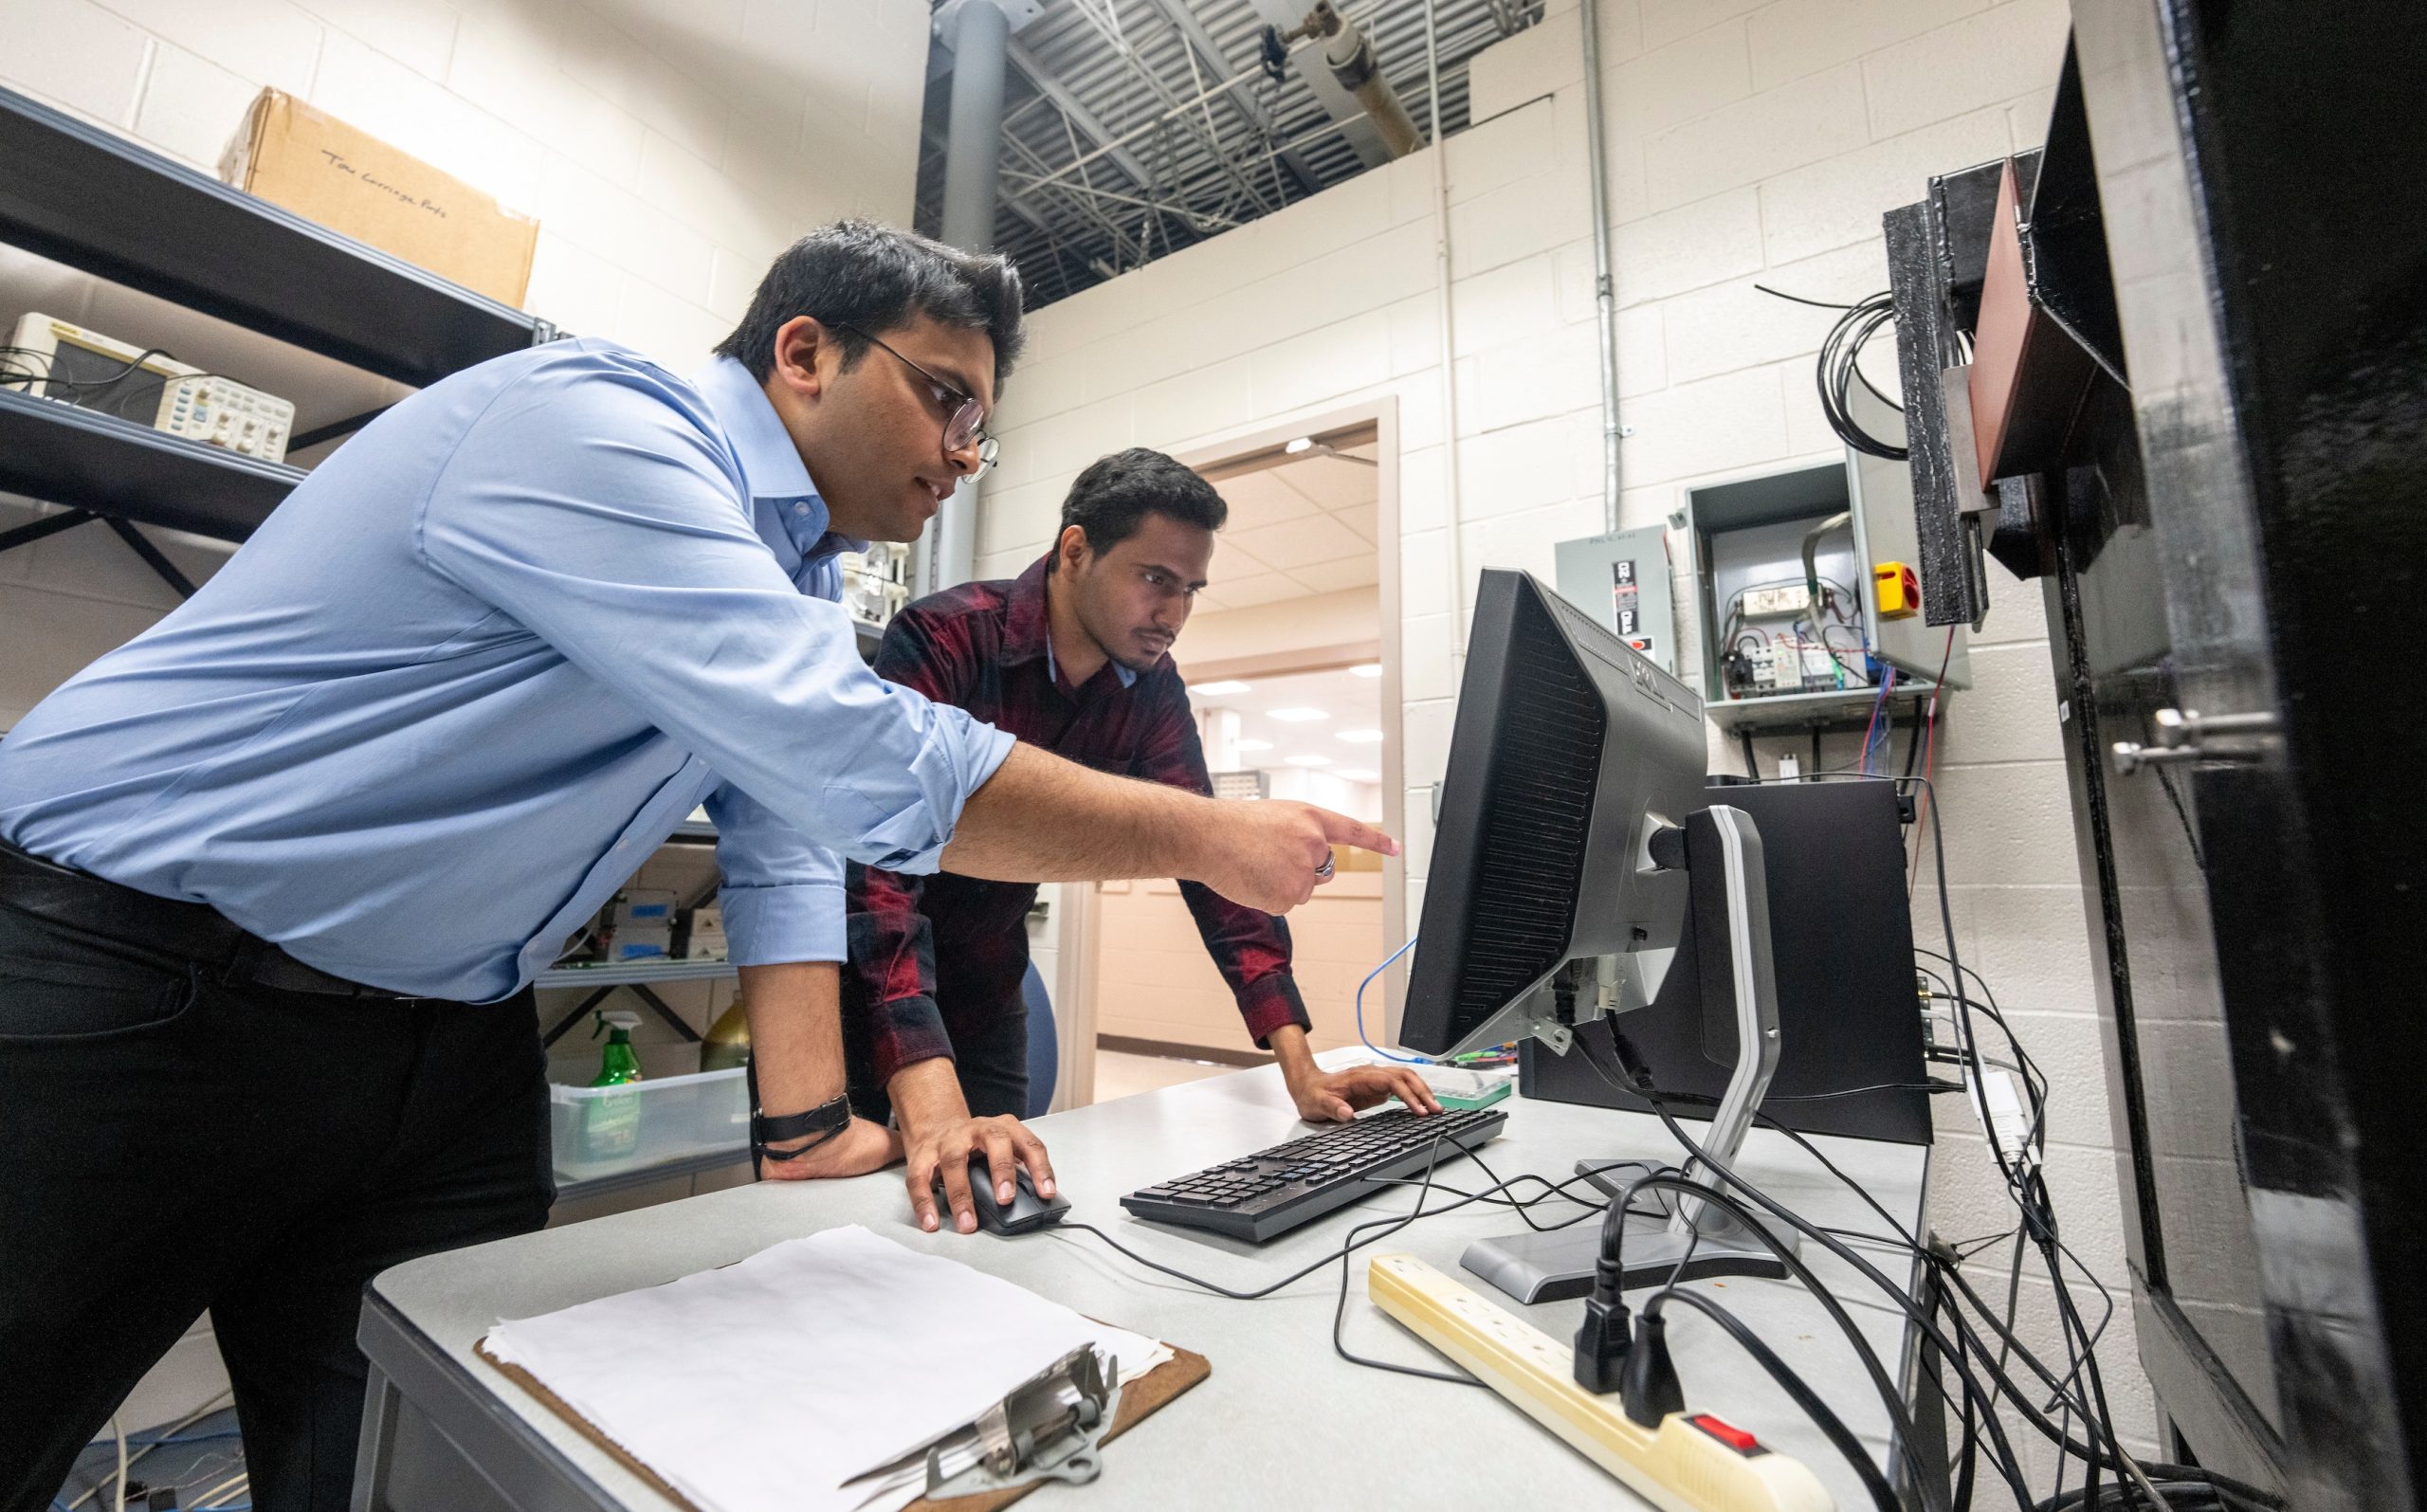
column 1749, row 140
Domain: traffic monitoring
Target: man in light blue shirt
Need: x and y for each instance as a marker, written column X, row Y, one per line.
column 278, row 874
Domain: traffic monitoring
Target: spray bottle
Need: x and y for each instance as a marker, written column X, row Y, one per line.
column 612, row 1130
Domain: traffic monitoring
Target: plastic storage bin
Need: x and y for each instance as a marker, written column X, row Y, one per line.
column 609, row 1131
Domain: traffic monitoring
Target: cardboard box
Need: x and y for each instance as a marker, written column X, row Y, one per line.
column 349, row 181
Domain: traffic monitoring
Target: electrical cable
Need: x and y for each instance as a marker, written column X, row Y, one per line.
column 1613, row 1254
column 1403, row 1059
column 1797, row 299
column 2010, row 1468
column 1928, row 735
column 215, row 1404
column 1839, row 368
column 1389, row 1224
column 1882, row 1495
column 1300, row 1274
column 2039, row 1223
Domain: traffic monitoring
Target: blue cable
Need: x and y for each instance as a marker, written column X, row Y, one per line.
column 1403, row 1059
column 1878, row 707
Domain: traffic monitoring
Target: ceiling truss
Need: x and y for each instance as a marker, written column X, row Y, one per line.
column 1134, row 128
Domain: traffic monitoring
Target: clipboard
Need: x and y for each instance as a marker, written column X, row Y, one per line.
column 1140, row 1399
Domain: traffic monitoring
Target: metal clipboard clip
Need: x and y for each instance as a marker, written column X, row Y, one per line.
column 1046, row 1429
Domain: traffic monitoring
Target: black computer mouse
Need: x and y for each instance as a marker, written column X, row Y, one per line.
column 1027, row 1213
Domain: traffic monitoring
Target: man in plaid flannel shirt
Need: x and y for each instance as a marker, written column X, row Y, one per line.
column 1072, row 656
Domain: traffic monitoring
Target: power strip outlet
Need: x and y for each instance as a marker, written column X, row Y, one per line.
column 1692, row 1463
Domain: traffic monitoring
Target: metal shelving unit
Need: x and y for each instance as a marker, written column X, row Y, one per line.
column 107, row 467
column 636, row 974
column 79, row 195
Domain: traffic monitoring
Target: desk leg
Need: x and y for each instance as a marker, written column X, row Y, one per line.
column 380, row 1400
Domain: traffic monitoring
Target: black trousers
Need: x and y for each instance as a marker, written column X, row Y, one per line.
column 992, row 1062
column 173, row 1142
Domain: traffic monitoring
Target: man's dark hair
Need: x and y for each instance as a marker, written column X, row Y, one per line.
column 865, row 274
column 1116, row 494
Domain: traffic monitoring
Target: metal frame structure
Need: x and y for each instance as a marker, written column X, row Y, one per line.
column 1133, row 128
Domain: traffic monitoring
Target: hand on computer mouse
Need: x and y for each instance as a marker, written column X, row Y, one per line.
column 938, row 1137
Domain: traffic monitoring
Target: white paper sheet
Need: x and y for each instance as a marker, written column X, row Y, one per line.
column 767, row 1385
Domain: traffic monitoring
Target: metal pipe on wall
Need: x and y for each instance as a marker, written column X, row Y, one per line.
column 1605, row 300
column 1348, row 52
column 1453, row 552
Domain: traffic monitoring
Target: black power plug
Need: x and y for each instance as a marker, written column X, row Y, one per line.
column 1601, row 1341
column 1652, row 1390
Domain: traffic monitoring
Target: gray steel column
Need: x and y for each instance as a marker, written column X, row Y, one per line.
column 973, row 156
column 973, row 173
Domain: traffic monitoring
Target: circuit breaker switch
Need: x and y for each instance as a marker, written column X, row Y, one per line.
column 1894, row 590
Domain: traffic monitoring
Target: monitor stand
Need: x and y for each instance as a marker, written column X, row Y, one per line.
column 1683, row 1237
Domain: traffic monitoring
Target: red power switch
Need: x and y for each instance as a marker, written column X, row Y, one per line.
column 1728, row 1434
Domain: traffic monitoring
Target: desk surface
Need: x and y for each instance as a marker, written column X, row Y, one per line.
column 1282, row 1413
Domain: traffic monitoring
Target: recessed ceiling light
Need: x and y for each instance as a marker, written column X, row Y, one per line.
column 1362, row 737
column 1353, row 775
column 1298, row 716
column 1219, row 690
column 1254, row 745
column 1310, row 760
column 1368, row 669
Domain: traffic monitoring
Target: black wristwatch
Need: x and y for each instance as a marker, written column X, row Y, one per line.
column 825, row 1120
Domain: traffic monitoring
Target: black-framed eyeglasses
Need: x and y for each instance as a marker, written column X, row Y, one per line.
column 964, row 419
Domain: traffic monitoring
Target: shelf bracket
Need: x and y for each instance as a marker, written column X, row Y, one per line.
column 334, row 429
column 640, row 990
column 153, row 559
column 27, row 534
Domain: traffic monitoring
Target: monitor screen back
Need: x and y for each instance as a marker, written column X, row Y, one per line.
column 1841, row 939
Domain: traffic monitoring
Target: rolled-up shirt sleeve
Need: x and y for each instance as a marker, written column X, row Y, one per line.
column 616, row 533
column 782, row 895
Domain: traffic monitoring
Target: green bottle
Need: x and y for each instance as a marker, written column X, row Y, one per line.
column 612, row 1129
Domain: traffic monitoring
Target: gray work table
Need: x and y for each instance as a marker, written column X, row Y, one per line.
column 1283, row 1416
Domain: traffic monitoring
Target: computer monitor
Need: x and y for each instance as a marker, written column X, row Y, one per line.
column 1573, row 825
column 1570, row 750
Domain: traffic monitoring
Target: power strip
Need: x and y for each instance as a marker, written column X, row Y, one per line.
column 1694, row 1462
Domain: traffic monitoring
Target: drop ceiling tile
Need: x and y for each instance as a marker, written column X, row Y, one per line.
column 1234, row 560
column 1286, row 547
column 1330, row 578
column 1334, row 484
column 1260, row 499
column 1364, row 519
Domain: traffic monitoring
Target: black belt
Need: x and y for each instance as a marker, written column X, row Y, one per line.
column 79, row 899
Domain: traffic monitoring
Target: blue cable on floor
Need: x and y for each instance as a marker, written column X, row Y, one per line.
column 1403, row 1059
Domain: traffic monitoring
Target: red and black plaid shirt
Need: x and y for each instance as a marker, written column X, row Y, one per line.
column 934, row 956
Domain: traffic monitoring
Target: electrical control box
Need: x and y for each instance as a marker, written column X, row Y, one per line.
column 1793, row 628
column 1623, row 580
column 59, row 359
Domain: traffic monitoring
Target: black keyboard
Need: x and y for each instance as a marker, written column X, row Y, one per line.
column 1266, row 1194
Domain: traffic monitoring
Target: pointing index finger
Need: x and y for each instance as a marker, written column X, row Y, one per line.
column 1340, row 830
